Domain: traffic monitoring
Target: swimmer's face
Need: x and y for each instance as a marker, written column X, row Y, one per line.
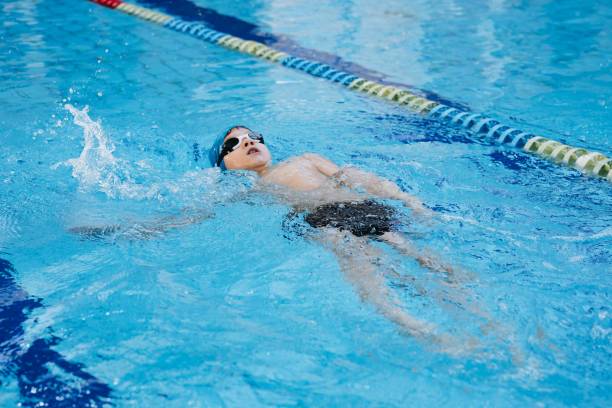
column 249, row 155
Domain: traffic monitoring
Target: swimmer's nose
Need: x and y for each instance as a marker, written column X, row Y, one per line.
column 248, row 143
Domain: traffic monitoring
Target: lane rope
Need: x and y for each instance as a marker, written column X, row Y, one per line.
column 588, row 162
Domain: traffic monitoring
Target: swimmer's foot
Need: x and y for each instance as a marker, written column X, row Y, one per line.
column 427, row 334
column 432, row 264
column 453, row 346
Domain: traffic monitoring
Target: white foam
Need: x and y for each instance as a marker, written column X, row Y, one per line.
column 97, row 169
column 96, row 166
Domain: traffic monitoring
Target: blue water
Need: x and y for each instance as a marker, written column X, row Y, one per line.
column 238, row 311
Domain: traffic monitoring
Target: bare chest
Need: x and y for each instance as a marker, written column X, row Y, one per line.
column 297, row 174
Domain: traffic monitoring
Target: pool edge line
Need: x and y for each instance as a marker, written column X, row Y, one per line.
column 586, row 161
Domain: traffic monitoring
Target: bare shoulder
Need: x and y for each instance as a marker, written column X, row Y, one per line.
column 307, row 158
column 313, row 156
column 323, row 164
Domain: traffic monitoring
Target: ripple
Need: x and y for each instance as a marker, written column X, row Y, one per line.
column 9, row 227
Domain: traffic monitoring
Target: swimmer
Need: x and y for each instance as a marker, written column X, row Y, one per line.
column 340, row 204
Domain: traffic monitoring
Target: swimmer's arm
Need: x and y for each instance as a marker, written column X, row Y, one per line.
column 151, row 229
column 143, row 230
column 380, row 187
column 373, row 184
column 325, row 166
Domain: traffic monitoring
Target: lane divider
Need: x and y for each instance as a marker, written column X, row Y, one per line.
column 591, row 163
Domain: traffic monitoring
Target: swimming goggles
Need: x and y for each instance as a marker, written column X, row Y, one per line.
column 232, row 143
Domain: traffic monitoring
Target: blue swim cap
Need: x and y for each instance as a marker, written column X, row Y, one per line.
column 215, row 150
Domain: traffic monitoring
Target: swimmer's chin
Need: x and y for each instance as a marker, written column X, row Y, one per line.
column 256, row 162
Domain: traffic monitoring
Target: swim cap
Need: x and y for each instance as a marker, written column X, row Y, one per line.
column 215, row 150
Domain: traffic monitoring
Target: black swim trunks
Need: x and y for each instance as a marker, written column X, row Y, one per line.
column 361, row 218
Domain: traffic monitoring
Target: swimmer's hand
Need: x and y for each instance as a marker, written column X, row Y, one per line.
column 380, row 187
column 415, row 205
column 134, row 231
column 91, row 232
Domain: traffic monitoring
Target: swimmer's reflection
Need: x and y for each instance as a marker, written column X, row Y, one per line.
column 339, row 203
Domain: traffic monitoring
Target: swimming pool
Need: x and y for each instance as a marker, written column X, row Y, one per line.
column 236, row 310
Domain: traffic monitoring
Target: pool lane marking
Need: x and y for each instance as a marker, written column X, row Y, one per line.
column 591, row 163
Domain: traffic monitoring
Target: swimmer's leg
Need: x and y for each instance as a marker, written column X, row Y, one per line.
column 459, row 295
column 358, row 260
column 427, row 260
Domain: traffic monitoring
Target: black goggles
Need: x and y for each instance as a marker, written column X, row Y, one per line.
column 232, row 143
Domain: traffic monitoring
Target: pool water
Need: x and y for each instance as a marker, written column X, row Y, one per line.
column 239, row 311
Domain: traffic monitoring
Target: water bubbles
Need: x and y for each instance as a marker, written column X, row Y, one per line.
column 96, row 161
column 97, row 169
column 100, row 93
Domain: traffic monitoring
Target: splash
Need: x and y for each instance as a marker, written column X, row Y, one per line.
column 96, row 167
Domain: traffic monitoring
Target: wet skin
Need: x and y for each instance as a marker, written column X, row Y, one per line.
column 305, row 182
column 310, row 180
